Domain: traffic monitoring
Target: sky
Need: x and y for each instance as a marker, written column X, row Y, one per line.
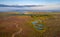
column 47, row 4
column 29, row 2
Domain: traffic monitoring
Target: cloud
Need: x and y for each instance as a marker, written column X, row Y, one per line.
column 46, row 7
column 31, row 7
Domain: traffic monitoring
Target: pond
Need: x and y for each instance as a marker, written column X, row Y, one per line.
column 38, row 25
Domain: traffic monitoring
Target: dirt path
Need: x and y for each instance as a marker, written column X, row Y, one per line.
column 18, row 32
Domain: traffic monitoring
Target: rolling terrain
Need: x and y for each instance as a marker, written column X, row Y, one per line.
column 17, row 25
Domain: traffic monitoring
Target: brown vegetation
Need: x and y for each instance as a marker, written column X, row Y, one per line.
column 12, row 24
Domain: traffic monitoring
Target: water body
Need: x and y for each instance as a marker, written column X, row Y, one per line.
column 38, row 26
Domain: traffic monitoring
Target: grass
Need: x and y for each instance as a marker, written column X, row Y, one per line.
column 8, row 24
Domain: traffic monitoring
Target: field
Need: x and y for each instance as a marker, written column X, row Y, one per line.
column 20, row 25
